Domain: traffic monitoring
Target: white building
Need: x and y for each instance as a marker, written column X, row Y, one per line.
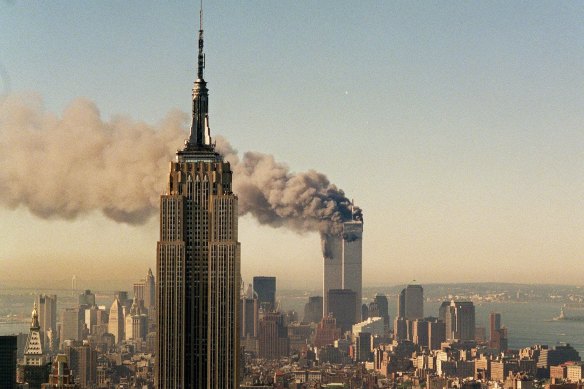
column 373, row 325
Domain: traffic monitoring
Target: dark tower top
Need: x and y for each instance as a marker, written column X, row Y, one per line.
column 199, row 146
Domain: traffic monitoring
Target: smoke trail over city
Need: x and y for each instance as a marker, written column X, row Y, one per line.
column 76, row 163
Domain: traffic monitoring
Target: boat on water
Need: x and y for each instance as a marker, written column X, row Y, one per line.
column 568, row 317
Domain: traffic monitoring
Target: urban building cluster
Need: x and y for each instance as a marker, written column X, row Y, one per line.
column 197, row 327
column 87, row 346
column 444, row 351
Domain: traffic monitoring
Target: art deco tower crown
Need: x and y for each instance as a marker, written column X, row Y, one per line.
column 198, row 262
column 199, row 146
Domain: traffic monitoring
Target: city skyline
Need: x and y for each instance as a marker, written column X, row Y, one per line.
column 473, row 112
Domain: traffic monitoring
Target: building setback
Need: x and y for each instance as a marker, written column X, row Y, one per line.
column 198, row 263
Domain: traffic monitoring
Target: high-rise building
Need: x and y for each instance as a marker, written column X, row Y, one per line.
column 326, row 332
column 273, row 341
column 83, row 363
column 72, row 324
column 411, row 302
column 373, row 325
column 401, row 304
column 436, row 334
column 116, row 321
column 35, row 365
column 363, row 346
column 8, row 361
column 123, row 300
column 460, row 321
column 136, row 322
column 313, row 309
column 86, row 299
column 265, row 287
column 420, row 332
column 383, row 309
column 342, row 307
column 495, row 323
column 61, row 376
column 559, row 354
column 400, row 328
column 149, row 290
column 249, row 313
column 198, row 263
column 353, row 259
column 443, row 310
column 47, row 310
column 382, row 305
column 139, row 290
column 497, row 335
column 343, row 262
column 91, row 318
column 365, row 310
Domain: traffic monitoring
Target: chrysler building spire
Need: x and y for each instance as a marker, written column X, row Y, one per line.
column 200, row 137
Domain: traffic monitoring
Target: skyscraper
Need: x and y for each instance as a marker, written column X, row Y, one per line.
column 495, row 324
column 249, row 313
column 498, row 335
column 265, row 287
column 8, row 361
column 411, row 302
column 313, row 309
column 83, row 363
column 72, row 324
column 47, row 310
column 342, row 307
column 460, row 321
column 149, row 290
column 353, row 259
column 198, row 262
column 35, row 364
column 139, row 291
column 383, row 308
column 273, row 339
column 86, row 299
column 343, row 264
column 116, row 321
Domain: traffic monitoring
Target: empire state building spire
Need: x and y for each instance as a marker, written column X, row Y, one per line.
column 200, row 137
column 198, row 263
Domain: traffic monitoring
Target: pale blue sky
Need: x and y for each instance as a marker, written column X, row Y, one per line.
column 456, row 126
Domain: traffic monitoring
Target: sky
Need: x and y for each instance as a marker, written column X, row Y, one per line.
column 456, row 126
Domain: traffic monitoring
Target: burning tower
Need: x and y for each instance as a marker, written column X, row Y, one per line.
column 343, row 260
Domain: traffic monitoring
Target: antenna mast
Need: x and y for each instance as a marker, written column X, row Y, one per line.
column 201, row 55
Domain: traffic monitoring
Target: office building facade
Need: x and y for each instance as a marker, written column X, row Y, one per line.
column 47, row 311
column 460, row 321
column 198, row 263
column 265, row 287
column 343, row 308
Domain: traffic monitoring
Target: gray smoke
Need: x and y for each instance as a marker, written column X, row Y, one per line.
column 68, row 166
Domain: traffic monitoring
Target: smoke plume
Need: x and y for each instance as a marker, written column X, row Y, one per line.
column 77, row 163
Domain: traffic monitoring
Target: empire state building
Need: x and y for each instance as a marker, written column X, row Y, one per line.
column 198, row 262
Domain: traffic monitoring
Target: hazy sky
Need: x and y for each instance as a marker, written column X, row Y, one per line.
column 458, row 127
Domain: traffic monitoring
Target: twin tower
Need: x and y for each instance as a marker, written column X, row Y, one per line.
column 343, row 266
